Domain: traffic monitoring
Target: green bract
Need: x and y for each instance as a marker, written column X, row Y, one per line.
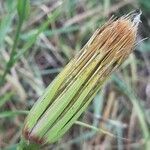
column 67, row 97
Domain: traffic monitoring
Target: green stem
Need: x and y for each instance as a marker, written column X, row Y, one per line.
column 24, row 145
column 13, row 51
column 99, row 130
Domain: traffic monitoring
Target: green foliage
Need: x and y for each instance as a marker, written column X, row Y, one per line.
column 23, row 11
column 23, row 8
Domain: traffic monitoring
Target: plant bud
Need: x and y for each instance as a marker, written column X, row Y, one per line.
column 68, row 96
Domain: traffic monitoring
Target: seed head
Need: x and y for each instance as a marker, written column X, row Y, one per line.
column 74, row 88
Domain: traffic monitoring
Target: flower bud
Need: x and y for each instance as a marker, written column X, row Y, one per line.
column 67, row 97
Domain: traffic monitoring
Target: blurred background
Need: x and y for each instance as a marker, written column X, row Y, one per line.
column 34, row 49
